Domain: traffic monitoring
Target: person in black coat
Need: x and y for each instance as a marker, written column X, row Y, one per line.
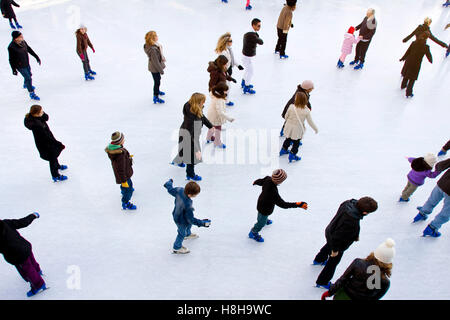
column 8, row 12
column 342, row 231
column 425, row 27
column 367, row 30
column 189, row 151
column 18, row 251
column 413, row 60
column 49, row 148
column 250, row 41
column 18, row 51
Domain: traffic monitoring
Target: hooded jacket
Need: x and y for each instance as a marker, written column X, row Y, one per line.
column 121, row 162
column 413, row 59
column 444, row 181
column 82, row 42
column 155, row 59
column 6, row 8
column 425, row 28
column 349, row 41
column 216, row 75
column 420, row 171
column 292, row 100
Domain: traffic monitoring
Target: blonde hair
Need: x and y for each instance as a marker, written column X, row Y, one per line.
column 196, row 102
column 427, row 20
column 222, row 42
column 150, row 38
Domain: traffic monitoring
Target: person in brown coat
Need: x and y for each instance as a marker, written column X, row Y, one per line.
column 122, row 162
column 283, row 26
column 156, row 63
column 83, row 43
column 218, row 71
column 425, row 27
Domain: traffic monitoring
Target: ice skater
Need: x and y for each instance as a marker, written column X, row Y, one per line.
column 448, row 46
column 49, row 148
column 294, row 128
column 122, row 164
column 444, row 149
column 267, row 200
column 189, row 150
column 358, row 282
column 251, row 40
column 19, row 252
column 420, row 169
column 218, row 72
column 18, row 51
column 347, row 46
column 425, row 27
column 8, row 12
column 283, row 25
column 440, row 191
column 247, row 4
column 342, row 231
column 156, row 63
column 183, row 213
column 367, row 29
column 83, row 42
column 217, row 114
column 413, row 60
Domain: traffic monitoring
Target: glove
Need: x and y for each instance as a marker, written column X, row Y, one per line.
column 404, row 40
column 325, row 295
column 15, row 72
column 292, row 25
column 125, row 184
column 93, row 50
column 240, row 67
column 234, row 80
column 206, row 223
column 38, row 61
column 442, row 153
column 36, row 214
column 302, row 205
column 82, row 57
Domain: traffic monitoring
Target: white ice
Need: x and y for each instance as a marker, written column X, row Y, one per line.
column 366, row 128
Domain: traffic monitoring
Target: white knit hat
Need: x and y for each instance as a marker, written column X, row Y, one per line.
column 430, row 159
column 385, row 251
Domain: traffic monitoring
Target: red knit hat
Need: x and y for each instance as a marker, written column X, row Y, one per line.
column 351, row 30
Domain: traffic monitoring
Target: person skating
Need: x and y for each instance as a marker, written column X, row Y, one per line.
column 156, row 63
column 367, row 30
column 83, row 42
column 444, row 149
column 306, row 87
column 247, row 5
column 224, row 47
column 440, row 191
column 283, row 25
column 347, row 46
column 448, row 46
column 420, row 169
column 122, row 164
column 18, row 51
column 251, row 40
column 342, row 231
column 189, row 151
column 413, row 60
column 8, row 12
column 19, row 252
column 183, row 213
column 218, row 72
column 446, row 4
column 217, row 114
column 49, row 148
column 358, row 283
column 425, row 27
column 268, row 199
column 294, row 127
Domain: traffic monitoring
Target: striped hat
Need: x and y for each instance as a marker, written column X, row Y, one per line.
column 278, row 176
column 117, row 138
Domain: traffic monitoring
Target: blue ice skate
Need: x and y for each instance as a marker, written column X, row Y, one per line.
column 156, row 99
column 283, row 152
column 34, row 292
column 419, row 217
column 430, row 231
column 60, row 178
column 294, row 157
column 255, row 236
column 128, row 205
column 194, row 178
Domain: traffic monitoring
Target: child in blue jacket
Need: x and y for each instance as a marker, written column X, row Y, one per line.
column 183, row 213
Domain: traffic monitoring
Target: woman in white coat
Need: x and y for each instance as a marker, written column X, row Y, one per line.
column 295, row 128
column 216, row 113
column 224, row 48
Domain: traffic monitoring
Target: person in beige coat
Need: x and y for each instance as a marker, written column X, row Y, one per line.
column 283, row 25
column 295, row 128
column 156, row 63
column 216, row 113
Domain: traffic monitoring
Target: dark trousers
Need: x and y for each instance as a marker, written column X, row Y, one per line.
column 157, row 80
column 190, row 170
column 281, row 43
column 295, row 146
column 29, row 271
column 28, row 82
column 361, row 50
column 328, row 271
column 11, row 19
column 127, row 192
column 86, row 65
column 54, row 166
column 408, row 84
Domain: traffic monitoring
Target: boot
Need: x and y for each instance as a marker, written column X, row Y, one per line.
column 293, row 157
column 88, row 76
column 432, row 232
column 182, row 250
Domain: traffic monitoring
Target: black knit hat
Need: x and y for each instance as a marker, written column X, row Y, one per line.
column 15, row 34
column 291, row 3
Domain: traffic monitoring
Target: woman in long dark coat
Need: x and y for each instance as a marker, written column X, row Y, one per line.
column 49, row 148
column 413, row 60
column 8, row 12
column 189, row 151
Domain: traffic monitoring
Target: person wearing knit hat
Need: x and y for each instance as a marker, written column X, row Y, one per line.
column 283, row 25
column 420, row 169
column 122, row 163
column 18, row 51
column 83, row 42
column 8, row 12
column 347, row 46
column 366, row 279
column 267, row 200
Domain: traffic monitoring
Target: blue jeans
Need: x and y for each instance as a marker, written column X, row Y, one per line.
column 26, row 73
column 435, row 197
column 183, row 231
column 127, row 192
column 261, row 222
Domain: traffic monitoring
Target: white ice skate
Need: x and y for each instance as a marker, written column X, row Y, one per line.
column 182, row 250
column 191, row 236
